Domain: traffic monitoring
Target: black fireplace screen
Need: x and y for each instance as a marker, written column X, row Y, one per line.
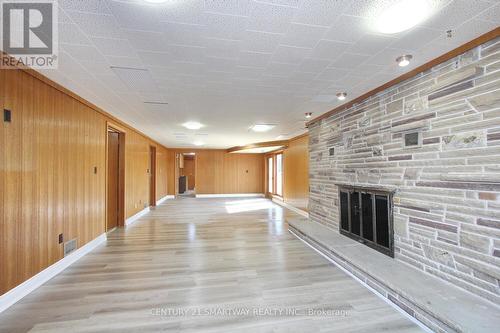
column 366, row 216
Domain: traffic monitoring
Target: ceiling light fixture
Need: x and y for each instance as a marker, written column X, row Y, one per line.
column 341, row 96
column 198, row 143
column 262, row 127
column 192, row 125
column 404, row 60
column 308, row 115
column 403, row 15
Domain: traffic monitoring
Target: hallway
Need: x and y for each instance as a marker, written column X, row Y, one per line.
column 204, row 255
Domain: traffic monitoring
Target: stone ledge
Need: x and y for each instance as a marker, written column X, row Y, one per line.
column 440, row 306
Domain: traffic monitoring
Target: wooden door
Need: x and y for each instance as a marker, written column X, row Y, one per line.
column 113, row 179
column 152, row 176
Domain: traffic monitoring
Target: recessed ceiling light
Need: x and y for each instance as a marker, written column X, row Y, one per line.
column 308, row 115
column 262, row 127
column 404, row 60
column 341, row 96
column 198, row 143
column 192, row 125
column 403, row 15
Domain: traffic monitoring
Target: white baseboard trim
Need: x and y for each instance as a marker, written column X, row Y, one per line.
column 14, row 295
column 292, row 208
column 134, row 218
column 162, row 200
column 233, row 195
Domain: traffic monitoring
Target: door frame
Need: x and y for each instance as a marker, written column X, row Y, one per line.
column 110, row 126
column 273, row 156
column 152, row 176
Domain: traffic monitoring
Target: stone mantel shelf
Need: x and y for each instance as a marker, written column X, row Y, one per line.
column 371, row 187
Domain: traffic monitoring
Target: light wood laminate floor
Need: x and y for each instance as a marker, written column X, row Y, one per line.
column 202, row 255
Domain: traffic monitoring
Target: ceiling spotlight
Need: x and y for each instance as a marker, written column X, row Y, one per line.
column 192, row 125
column 308, row 115
column 404, row 60
column 199, row 143
column 262, row 127
column 341, row 96
column 403, row 15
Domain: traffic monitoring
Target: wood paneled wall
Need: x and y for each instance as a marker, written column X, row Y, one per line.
column 296, row 173
column 48, row 183
column 218, row 172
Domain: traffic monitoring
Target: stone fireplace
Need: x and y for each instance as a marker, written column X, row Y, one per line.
column 435, row 138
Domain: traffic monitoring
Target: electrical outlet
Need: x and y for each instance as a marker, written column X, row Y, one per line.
column 61, row 238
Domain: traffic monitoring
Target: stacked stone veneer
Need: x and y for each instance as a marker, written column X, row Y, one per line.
column 447, row 204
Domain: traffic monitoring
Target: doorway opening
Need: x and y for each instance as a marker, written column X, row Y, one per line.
column 152, row 176
column 274, row 175
column 187, row 175
column 115, row 178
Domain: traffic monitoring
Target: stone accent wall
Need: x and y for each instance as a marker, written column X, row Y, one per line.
column 447, row 204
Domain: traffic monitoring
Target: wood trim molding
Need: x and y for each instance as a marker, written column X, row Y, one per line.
column 283, row 143
column 445, row 57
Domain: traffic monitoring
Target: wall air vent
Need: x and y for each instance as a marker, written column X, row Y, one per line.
column 70, row 246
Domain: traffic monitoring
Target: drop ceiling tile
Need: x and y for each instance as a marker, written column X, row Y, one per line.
column 184, row 34
column 114, row 47
column 249, row 73
column 136, row 16
column 365, row 8
column 113, row 82
column 139, row 80
column 329, row 50
column 469, row 30
column 260, row 41
column 89, row 6
column 457, row 12
column 370, row 44
column 81, row 52
column 289, row 54
column 226, row 26
column 492, row 14
column 223, row 48
column 97, row 25
column 220, row 64
column 192, row 11
column 156, row 59
column 416, row 37
column 254, row 59
column 232, row 7
column 349, row 60
column 320, row 12
column 313, row 65
column 281, row 69
column 125, row 62
column 302, row 35
column 302, row 77
column 70, row 34
column 147, row 41
column 188, row 68
column 347, row 29
column 270, row 18
column 333, row 74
